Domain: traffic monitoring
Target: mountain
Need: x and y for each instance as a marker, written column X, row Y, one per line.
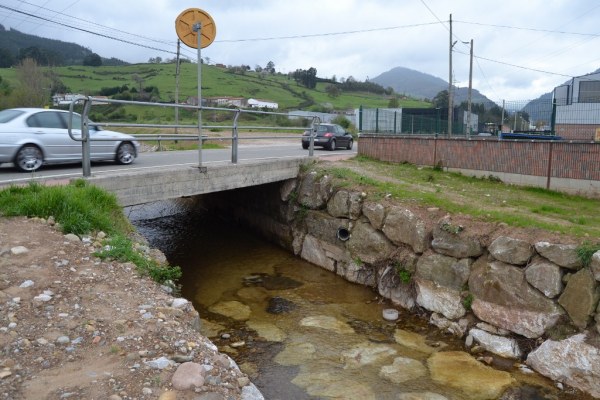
column 423, row 86
column 53, row 52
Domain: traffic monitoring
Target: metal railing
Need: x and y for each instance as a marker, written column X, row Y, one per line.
column 200, row 137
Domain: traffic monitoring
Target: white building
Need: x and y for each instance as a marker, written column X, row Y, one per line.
column 578, row 108
column 256, row 103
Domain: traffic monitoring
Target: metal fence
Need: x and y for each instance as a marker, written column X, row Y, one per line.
column 88, row 102
column 575, row 121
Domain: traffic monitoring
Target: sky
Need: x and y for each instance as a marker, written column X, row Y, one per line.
column 522, row 48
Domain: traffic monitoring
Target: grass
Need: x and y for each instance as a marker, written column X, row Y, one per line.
column 215, row 82
column 484, row 199
column 81, row 209
column 78, row 207
column 121, row 248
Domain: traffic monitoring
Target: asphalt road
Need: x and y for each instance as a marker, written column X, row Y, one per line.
column 153, row 160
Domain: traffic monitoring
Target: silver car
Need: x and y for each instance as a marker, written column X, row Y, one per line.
column 32, row 137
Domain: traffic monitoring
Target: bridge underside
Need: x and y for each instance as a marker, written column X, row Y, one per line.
column 139, row 187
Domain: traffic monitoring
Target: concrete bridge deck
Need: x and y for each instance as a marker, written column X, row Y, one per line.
column 139, row 187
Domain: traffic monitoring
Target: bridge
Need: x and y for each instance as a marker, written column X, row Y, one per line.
column 145, row 186
column 157, row 176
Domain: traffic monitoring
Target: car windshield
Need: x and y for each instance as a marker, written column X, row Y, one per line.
column 9, row 115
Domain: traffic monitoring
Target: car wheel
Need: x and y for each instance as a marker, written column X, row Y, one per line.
column 29, row 158
column 350, row 142
column 305, row 146
column 125, row 153
column 332, row 145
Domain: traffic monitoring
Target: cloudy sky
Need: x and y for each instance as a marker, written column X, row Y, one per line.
column 522, row 48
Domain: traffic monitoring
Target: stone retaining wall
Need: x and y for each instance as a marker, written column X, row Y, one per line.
column 497, row 292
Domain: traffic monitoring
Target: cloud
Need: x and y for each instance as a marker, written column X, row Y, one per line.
column 555, row 37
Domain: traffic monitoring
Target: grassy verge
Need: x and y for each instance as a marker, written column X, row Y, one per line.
column 487, row 199
column 81, row 209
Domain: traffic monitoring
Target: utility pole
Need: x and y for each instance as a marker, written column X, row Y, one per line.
column 450, row 81
column 469, row 130
column 177, row 87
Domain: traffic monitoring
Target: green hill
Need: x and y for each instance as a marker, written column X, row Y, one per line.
column 215, row 82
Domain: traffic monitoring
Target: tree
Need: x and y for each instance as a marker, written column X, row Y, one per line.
column 6, row 58
column 155, row 60
column 92, row 60
column 332, row 91
column 394, row 102
column 307, row 78
column 33, row 53
column 441, row 99
column 270, row 68
column 33, row 84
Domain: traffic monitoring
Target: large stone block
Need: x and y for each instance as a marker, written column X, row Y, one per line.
column 314, row 190
column 368, row 244
column 391, row 287
column 571, row 361
column 564, row 255
column 444, row 271
column 325, row 227
column 545, row 276
column 313, row 252
column 500, row 345
column 511, row 251
column 505, row 299
column 580, row 297
column 345, row 204
column 452, row 241
column 375, row 213
column 402, row 226
column 439, row 299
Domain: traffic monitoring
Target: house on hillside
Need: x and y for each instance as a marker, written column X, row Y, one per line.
column 226, row 101
column 65, row 99
column 578, row 108
column 256, row 103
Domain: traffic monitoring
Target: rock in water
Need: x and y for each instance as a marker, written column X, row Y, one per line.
column 279, row 305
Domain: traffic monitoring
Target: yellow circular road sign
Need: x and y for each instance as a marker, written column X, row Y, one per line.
column 184, row 26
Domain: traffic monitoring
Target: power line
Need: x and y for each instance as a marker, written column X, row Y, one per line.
column 517, row 66
column 326, row 33
column 528, row 29
column 105, row 28
column 87, row 30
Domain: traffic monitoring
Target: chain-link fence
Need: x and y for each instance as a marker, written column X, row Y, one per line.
column 576, row 121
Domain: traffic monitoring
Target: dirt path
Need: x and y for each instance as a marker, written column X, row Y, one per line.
column 75, row 327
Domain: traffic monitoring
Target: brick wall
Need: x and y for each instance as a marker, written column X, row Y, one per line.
column 576, row 131
column 569, row 160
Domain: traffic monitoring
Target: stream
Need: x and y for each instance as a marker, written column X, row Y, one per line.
column 301, row 332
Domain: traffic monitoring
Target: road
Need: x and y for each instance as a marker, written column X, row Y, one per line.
column 153, row 160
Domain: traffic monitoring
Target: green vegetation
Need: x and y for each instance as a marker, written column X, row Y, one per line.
column 121, row 248
column 78, row 207
column 482, row 199
column 404, row 275
column 81, row 209
column 216, row 81
column 467, row 301
column 585, row 252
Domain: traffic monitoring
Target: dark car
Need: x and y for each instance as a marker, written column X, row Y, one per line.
column 329, row 136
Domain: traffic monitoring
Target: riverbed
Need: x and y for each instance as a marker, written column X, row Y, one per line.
column 301, row 332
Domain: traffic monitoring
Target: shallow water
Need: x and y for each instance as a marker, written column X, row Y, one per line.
column 327, row 339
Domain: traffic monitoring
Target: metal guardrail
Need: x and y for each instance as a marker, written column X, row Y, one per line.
column 85, row 138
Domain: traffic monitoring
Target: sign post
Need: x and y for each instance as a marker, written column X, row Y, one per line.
column 196, row 29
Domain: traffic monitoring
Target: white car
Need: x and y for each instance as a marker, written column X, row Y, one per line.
column 32, row 137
